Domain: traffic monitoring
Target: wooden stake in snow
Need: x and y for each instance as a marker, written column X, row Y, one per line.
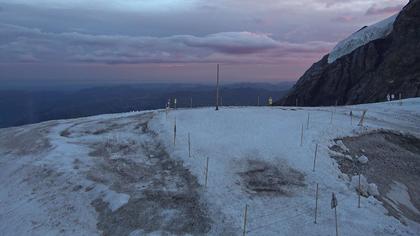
column 316, row 203
column 301, row 136
column 217, row 89
column 316, row 151
column 245, row 219
column 207, row 172
column 307, row 122
column 175, row 132
column 359, row 191
column 334, row 204
column 362, row 118
column 189, row 145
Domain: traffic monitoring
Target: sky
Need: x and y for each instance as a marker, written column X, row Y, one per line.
column 119, row 41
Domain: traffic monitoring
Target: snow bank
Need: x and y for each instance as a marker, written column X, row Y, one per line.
column 342, row 146
column 366, row 189
column 116, row 200
column 362, row 37
column 363, row 159
column 398, row 195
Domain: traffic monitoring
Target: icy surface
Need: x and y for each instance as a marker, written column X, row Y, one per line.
column 373, row 189
column 363, row 159
column 399, row 195
column 48, row 192
column 362, row 37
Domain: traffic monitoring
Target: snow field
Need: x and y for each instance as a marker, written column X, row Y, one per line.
column 233, row 135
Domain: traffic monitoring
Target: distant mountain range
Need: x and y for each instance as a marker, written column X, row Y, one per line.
column 375, row 61
column 19, row 107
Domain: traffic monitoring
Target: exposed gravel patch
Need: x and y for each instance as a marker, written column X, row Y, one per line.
column 394, row 161
column 264, row 178
column 26, row 140
column 164, row 195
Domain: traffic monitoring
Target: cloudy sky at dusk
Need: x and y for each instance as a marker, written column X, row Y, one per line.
column 174, row 40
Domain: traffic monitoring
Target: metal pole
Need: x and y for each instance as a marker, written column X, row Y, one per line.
column 307, row 123
column 400, row 96
column 316, row 203
column 189, row 145
column 332, row 115
column 362, row 118
column 359, row 190
column 175, row 132
column 316, row 151
column 217, row 89
column 245, row 219
column 301, row 136
column 336, row 223
column 207, row 172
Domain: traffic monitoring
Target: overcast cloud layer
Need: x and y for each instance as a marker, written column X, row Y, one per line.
column 283, row 37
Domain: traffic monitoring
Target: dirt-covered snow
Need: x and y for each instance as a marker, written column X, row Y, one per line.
column 123, row 174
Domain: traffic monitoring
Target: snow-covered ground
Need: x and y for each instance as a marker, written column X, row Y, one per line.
column 121, row 174
column 362, row 37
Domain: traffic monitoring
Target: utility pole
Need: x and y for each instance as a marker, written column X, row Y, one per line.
column 217, row 89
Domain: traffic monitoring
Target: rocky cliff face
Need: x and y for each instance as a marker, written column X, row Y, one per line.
column 367, row 74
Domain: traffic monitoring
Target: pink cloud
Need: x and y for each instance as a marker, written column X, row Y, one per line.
column 344, row 19
column 375, row 10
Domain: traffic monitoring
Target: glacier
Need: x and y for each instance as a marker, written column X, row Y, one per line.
column 362, row 37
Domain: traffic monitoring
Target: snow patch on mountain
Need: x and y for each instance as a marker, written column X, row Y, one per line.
column 362, row 37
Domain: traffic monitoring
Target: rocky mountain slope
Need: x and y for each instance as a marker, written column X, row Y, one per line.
column 389, row 64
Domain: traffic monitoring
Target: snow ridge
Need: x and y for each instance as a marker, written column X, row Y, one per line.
column 362, row 37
